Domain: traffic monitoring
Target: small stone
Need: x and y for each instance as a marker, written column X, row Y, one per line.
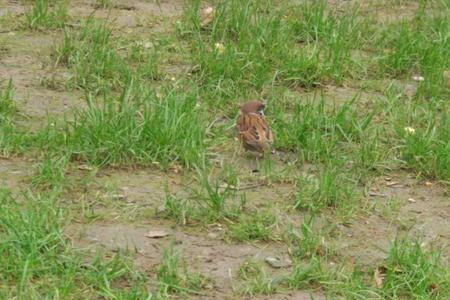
column 213, row 235
column 156, row 234
column 277, row 263
column 412, row 200
column 118, row 196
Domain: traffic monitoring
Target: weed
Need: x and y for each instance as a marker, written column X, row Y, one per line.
column 391, row 209
column 47, row 14
column 315, row 131
column 178, row 209
column 9, row 139
column 139, row 128
column 105, row 4
column 37, row 260
column 7, row 105
column 91, row 54
column 330, row 188
column 258, row 48
column 172, row 280
column 307, row 275
column 309, row 242
column 421, row 132
column 255, row 279
column 256, row 226
column 412, row 271
column 214, row 198
column 51, row 173
column 419, row 47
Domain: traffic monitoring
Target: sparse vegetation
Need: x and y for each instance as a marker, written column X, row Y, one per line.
column 47, row 14
column 172, row 278
column 139, row 133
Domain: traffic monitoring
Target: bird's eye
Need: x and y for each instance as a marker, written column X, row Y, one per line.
column 261, row 113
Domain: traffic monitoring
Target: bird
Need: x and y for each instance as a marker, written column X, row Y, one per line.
column 253, row 130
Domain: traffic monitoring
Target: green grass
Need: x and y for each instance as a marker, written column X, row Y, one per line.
column 308, row 242
column 7, row 106
column 264, row 44
column 166, row 101
column 139, row 128
column 420, row 133
column 47, row 14
column 415, row 272
column 104, row 3
column 50, row 173
column 173, row 279
column 136, row 128
column 256, row 279
column 178, row 209
column 420, row 47
column 9, row 139
column 215, row 201
column 258, row 226
column 330, row 189
column 91, row 54
column 307, row 275
column 38, row 260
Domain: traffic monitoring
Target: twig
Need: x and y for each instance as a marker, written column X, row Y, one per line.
column 374, row 194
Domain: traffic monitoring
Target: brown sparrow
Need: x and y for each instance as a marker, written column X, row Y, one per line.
column 252, row 127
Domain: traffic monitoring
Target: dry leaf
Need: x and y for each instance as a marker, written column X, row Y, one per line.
column 156, row 234
column 427, row 183
column 118, row 196
column 410, row 130
column 227, row 186
column 446, row 74
column 175, row 168
column 277, row 263
column 206, row 16
column 375, row 194
column 433, row 287
column 378, row 276
column 393, row 183
column 85, row 167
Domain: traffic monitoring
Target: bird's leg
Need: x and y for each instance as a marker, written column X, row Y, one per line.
column 256, row 168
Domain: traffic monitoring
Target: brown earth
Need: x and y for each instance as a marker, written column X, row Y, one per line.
column 410, row 205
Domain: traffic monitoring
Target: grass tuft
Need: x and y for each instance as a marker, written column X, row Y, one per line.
column 47, row 14
column 172, row 280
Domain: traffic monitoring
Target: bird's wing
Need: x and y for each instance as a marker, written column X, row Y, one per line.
column 253, row 129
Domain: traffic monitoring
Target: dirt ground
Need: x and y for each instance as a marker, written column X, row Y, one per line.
column 131, row 198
